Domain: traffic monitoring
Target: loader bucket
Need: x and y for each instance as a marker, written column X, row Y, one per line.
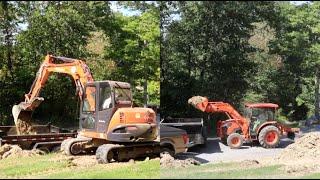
column 22, row 116
column 199, row 102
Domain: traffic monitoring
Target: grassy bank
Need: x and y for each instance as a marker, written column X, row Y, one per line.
column 48, row 167
column 230, row 171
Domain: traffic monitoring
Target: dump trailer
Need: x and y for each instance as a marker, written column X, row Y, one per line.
column 194, row 127
column 109, row 124
column 47, row 137
column 258, row 124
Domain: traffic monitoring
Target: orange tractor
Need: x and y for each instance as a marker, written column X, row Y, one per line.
column 108, row 123
column 258, row 124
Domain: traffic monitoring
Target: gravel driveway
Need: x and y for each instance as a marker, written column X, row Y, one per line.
column 215, row 152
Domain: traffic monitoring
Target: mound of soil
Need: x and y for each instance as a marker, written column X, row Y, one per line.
column 168, row 161
column 248, row 163
column 306, row 147
column 16, row 151
column 196, row 100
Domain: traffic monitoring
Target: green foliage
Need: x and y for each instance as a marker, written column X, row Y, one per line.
column 296, row 42
column 84, row 30
column 136, row 50
column 208, row 53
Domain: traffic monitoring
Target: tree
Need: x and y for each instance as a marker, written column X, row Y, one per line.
column 297, row 44
column 207, row 52
column 135, row 50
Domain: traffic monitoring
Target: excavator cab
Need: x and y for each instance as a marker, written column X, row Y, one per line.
column 106, row 113
column 101, row 99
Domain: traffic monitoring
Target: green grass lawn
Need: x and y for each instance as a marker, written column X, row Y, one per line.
column 45, row 167
column 229, row 171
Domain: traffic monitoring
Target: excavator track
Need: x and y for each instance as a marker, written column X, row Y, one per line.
column 74, row 146
column 124, row 152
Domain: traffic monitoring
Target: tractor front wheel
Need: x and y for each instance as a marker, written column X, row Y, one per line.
column 269, row 137
column 235, row 141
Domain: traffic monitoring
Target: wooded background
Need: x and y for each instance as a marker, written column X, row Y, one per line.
column 240, row 52
column 235, row 52
column 115, row 47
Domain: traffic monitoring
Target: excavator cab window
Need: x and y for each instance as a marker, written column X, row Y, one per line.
column 89, row 99
column 105, row 98
column 88, row 108
column 122, row 96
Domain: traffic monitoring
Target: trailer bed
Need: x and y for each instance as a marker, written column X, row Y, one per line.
column 46, row 136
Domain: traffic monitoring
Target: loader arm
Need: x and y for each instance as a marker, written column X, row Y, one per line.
column 202, row 104
column 75, row 68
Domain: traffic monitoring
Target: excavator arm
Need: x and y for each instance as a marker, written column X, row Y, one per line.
column 202, row 104
column 75, row 68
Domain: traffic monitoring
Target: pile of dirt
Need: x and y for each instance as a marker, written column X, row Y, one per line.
column 307, row 147
column 248, row 163
column 24, row 127
column 16, row 151
column 168, row 161
column 196, row 100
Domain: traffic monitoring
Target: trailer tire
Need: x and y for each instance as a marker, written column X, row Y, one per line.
column 235, row 141
column 56, row 149
column 269, row 137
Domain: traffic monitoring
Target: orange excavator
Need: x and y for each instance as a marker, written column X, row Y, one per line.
column 258, row 124
column 109, row 124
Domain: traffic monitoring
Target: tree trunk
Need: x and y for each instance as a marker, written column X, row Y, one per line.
column 317, row 107
column 145, row 87
column 8, row 35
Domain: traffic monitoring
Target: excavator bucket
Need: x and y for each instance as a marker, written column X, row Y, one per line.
column 199, row 102
column 22, row 116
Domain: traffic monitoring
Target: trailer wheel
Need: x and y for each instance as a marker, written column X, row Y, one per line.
column 269, row 137
column 44, row 149
column 235, row 141
column 104, row 154
column 56, row 149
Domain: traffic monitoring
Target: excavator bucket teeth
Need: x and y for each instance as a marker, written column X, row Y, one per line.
column 199, row 102
column 22, row 116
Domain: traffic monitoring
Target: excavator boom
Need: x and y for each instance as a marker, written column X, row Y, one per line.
column 75, row 68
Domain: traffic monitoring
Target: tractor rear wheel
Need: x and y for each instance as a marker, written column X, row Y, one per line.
column 269, row 137
column 235, row 141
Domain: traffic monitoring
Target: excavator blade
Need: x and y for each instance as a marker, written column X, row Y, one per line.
column 199, row 102
column 22, row 116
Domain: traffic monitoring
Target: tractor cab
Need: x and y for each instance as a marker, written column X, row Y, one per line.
column 100, row 101
column 259, row 113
